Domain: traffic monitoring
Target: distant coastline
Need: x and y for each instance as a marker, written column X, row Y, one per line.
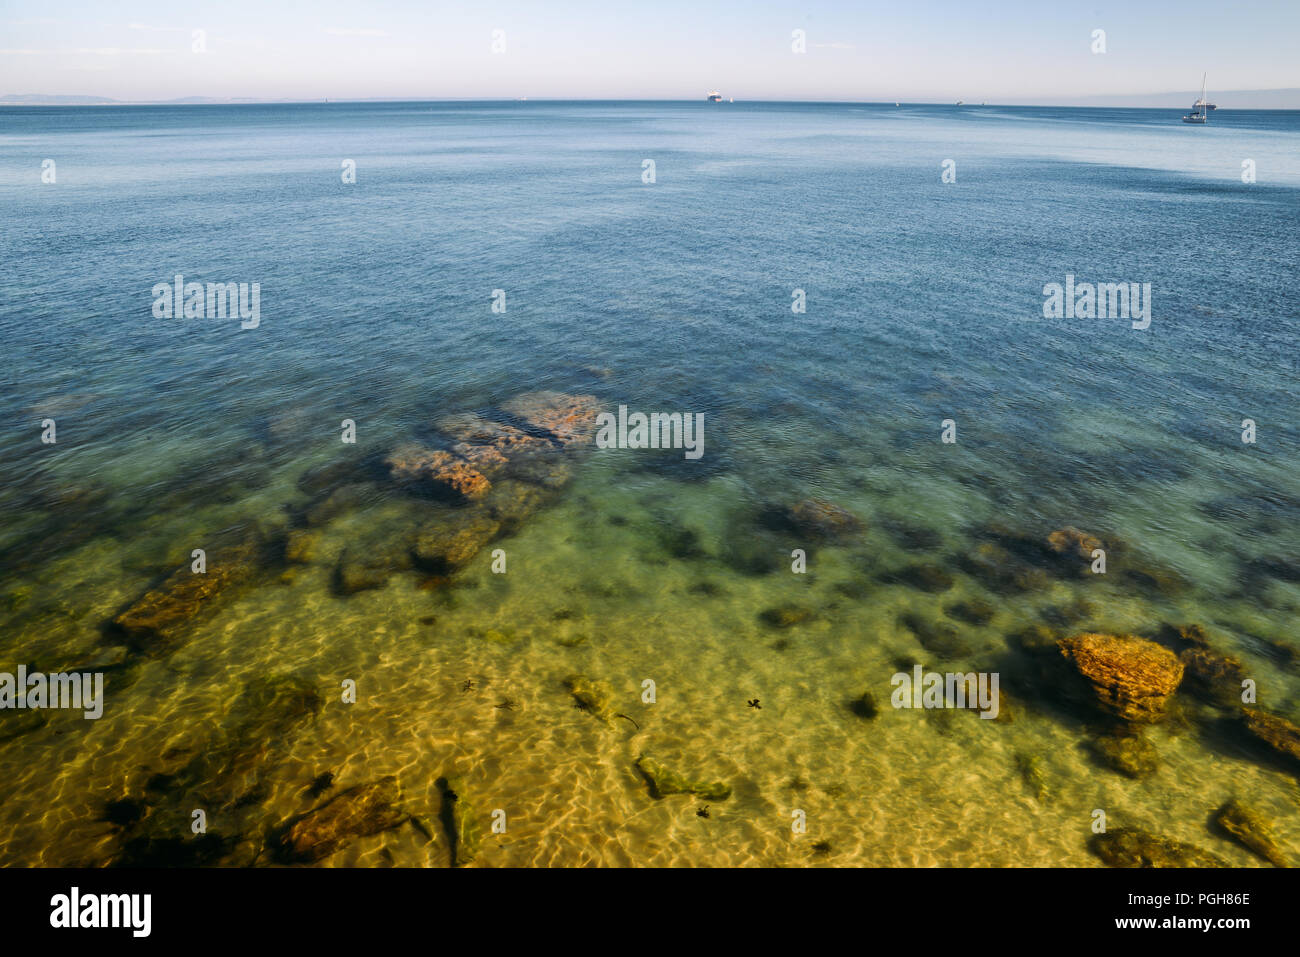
column 1279, row 99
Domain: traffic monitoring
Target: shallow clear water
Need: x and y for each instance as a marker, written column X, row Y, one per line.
column 924, row 303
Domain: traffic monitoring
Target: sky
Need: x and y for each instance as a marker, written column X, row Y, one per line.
column 914, row 50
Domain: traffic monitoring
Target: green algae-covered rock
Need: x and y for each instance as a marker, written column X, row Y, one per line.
column 1130, row 755
column 357, row 572
column 447, row 544
column 973, row 611
column 1132, row 847
column 460, row 820
column 664, row 782
column 785, row 616
column 813, row 519
column 590, row 696
column 1251, row 830
column 924, row 576
column 1030, row 767
column 1215, row 677
column 939, row 638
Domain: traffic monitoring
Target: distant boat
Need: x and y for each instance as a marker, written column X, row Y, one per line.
column 1199, row 113
column 960, row 102
column 715, row 97
column 733, row 100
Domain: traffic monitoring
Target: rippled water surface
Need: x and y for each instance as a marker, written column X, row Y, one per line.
column 924, row 304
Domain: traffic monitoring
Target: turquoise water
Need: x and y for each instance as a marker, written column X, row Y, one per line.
column 924, row 303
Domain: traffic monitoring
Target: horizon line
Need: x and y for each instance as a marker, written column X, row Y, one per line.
column 12, row 99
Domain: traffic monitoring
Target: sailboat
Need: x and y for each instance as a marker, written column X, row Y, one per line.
column 1199, row 113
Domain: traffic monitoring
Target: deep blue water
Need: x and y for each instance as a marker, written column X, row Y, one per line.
column 924, row 297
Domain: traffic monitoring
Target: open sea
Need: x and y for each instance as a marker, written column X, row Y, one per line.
column 644, row 612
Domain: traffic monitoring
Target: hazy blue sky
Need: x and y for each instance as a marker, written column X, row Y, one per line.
column 1008, row 51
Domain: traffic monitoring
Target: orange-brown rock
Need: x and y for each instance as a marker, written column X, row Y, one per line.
column 156, row 619
column 819, row 518
column 570, row 419
column 1132, row 677
column 1070, row 542
column 412, row 463
column 1275, row 731
column 357, row 812
column 470, row 431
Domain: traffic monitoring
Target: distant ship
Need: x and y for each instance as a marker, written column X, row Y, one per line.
column 715, row 97
column 960, row 102
column 1199, row 113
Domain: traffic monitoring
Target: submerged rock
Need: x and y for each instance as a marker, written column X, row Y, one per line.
column 482, row 448
column 974, row 611
column 468, row 430
column 664, row 782
column 1001, row 571
column 1131, row 847
column 925, row 577
column 1030, row 767
column 567, row 419
column 459, row 820
column 224, row 778
column 358, row 571
column 155, row 621
column 915, row 538
column 300, row 547
column 1216, row 677
column 270, row 707
column 786, row 616
column 939, row 638
column 1130, row 755
column 359, row 811
column 864, row 706
column 813, row 518
column 1275, row 731
column 338, row 501
column 415, row 465
column 1183, row 637
column 590, row 696
column 443, row 546
column 1132, row 677
column 1071, row 543
column 1251, row 830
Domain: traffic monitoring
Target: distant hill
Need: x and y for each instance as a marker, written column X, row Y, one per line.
column 1286, row 99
